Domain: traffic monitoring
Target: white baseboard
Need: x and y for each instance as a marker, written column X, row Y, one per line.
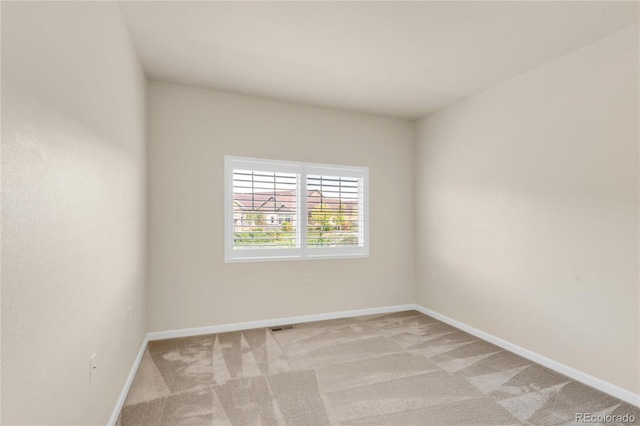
column 125, row 390
column 587, row 379
column 158, row 335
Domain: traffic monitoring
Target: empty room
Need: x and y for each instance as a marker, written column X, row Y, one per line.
column 320, row 213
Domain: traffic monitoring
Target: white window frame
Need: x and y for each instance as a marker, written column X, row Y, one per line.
column 301, row 252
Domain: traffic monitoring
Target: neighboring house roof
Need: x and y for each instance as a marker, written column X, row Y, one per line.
column 285, row 201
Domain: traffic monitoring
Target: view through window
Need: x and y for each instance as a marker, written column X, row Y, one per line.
column 283, row 210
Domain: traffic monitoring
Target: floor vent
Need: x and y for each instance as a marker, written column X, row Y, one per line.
column 282, row 328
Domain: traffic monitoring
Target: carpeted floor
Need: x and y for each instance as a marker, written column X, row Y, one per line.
column 404, row 368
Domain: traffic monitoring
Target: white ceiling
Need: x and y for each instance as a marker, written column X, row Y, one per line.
column 401, row 59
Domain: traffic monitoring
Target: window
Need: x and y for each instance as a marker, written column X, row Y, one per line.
column 279, row 210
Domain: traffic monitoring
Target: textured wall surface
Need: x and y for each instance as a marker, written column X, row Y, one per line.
column 73, row 211
column 527, row 210
column 190, row 132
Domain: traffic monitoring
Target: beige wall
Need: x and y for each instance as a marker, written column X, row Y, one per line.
column 190, row 131
column 527, row 210
column 73, row 211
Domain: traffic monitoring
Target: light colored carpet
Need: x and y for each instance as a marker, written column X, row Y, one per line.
column 404, row 368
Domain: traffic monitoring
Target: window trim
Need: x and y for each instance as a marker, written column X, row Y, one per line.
column 301, row 252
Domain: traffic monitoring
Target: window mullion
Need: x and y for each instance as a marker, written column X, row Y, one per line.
column 302, row 209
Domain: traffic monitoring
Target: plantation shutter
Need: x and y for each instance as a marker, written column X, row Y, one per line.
column 280, row 210
column 334, row 204
column 264, row 209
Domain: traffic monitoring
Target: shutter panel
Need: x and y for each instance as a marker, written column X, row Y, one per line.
column 264, row 209
column 334, row 206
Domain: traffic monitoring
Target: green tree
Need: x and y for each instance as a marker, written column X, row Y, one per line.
column 257, row 218
column 341, row 222
column 322, row 217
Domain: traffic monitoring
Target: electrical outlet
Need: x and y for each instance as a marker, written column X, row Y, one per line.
column 92, row 367
column 307, row 278
column 434, row 277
